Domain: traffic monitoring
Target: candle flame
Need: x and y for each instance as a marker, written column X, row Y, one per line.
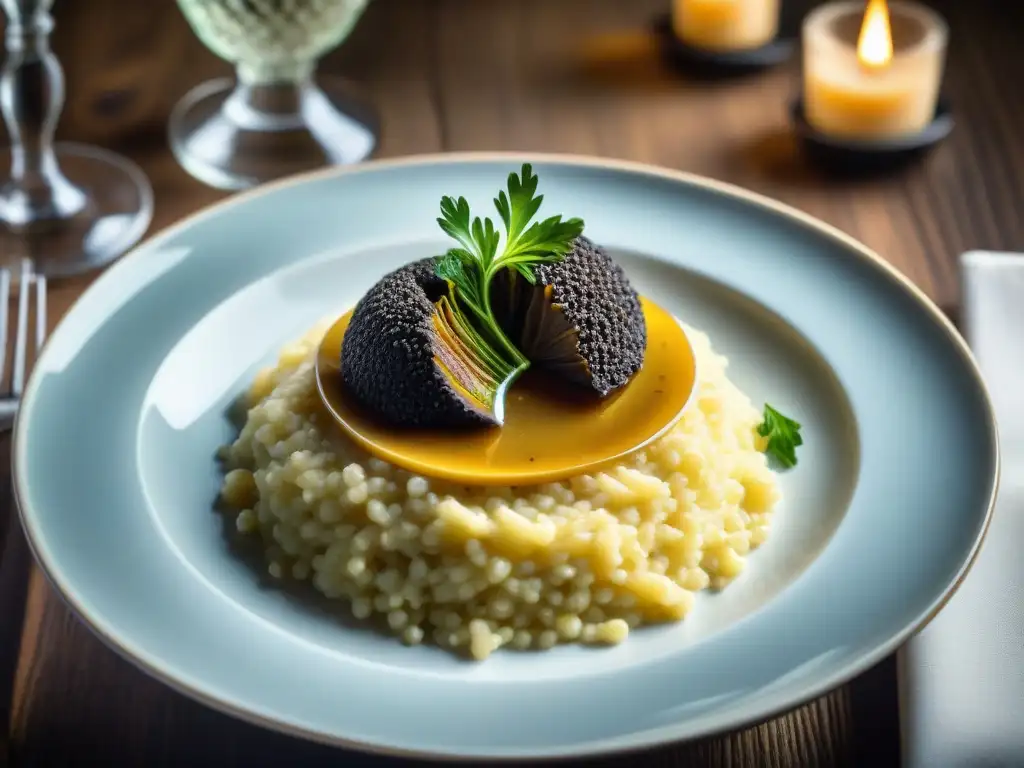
column 874, row 48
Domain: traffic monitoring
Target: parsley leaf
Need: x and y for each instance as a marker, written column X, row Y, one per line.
column 783, row 436
column 470, row 267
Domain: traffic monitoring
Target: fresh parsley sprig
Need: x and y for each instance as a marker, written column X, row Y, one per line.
column 783, row 435
column 544, row 241
column 478, row 259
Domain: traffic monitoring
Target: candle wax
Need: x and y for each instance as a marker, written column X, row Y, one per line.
column 726, row 25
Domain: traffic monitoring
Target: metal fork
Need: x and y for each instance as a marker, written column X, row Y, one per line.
column 10, row 399
column 15, row 559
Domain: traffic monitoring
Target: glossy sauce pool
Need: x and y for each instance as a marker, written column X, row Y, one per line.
column 552, row 430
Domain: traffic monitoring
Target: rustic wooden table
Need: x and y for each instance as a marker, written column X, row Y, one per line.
column 573, row 76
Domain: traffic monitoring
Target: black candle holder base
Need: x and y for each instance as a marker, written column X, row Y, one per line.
column 859, row 156
column 717, row 64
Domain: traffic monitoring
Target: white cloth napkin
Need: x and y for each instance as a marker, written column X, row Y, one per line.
column 962, row 677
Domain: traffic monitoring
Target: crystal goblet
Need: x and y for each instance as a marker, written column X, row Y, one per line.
column 275, row 118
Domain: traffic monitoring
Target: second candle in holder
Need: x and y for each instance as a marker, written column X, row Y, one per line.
column 725, row 25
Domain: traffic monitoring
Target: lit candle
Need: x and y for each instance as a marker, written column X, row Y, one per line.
column 726, row 25
column 872, row 74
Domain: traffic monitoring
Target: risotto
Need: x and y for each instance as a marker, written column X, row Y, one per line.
column 477, row 569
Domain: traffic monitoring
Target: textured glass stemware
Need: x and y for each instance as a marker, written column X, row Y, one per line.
column 67, row 207
column 276, row 118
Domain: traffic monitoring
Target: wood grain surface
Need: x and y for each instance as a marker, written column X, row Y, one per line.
column 578, row 76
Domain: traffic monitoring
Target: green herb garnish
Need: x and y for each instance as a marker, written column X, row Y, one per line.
column 470, row 268
column 783, row 436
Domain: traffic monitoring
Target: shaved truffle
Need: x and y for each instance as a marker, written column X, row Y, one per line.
column 582, row 319
column 403, row 358
column 394, row 362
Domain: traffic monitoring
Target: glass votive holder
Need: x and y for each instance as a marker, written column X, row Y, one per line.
column 723, row 38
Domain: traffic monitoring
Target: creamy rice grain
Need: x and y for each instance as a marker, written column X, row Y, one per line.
column 582, row 560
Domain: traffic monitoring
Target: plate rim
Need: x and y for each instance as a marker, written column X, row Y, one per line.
column 852, row 247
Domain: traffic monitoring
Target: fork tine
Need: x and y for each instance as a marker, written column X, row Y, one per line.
column 21, row 340
column 40, row 312
column 5, row 299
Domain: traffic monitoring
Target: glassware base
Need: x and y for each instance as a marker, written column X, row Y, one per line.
column 233, row 147
column 106, row 211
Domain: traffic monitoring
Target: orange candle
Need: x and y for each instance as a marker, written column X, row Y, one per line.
column 726, row 25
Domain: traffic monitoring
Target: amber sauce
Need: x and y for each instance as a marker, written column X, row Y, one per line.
column 552, row 429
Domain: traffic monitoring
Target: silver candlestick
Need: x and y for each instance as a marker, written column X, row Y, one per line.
column 68, row 207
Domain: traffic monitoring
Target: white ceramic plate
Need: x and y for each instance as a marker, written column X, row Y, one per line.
column 115, row 471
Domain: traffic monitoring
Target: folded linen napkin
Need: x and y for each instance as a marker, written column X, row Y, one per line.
column 962, row 677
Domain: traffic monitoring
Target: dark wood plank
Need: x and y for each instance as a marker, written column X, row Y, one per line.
column 577, row 76
column 15, row 564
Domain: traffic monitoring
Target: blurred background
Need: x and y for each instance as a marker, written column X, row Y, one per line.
column 580, row 76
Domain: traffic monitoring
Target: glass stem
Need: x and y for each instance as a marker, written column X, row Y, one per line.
column 31, row 99
column 269, row 97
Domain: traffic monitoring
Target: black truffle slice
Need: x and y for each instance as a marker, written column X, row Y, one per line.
column 582, row 320
column 401, row 360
